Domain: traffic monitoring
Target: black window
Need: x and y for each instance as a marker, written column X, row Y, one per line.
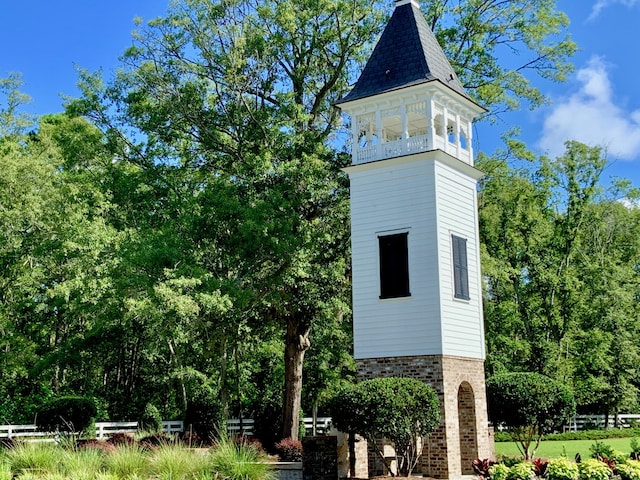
column 394, row 266
column 460, row 270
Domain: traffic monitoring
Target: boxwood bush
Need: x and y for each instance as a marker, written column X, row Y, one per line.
column 66, row 414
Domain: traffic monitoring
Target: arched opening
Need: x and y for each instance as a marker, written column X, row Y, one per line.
column 467, row 428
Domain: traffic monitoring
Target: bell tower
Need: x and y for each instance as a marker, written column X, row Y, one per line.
column 417, row 294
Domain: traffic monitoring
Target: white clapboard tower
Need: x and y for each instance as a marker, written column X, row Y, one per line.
column 417, row 296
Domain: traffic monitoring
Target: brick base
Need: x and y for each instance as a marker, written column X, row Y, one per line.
column 463, row 434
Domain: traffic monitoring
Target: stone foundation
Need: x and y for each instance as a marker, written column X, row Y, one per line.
column 463, row 434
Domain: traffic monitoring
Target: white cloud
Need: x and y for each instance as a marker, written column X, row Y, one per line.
column 591, row 116
column 602, row 4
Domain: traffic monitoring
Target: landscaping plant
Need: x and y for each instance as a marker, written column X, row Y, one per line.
column 401, row 410
column 562, row 469
column 289, row 450
column 66, row 414
column 594, row 469
column 528, row 405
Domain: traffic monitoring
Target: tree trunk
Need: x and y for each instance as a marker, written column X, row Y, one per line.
column 352, row 455
column 296, row 344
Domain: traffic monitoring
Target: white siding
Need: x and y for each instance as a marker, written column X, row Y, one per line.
column 430, row 201
column 386, row 200
column 462, row 326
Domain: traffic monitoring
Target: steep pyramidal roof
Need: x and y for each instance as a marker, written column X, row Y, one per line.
column 406, row 54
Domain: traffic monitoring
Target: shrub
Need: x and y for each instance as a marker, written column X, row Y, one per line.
column 93, row 444
column 529, row 405
column 630, row 470
column 594, row 469
column 600, row 450
column 66, row 414
column 540, row 467
column 562, row 469
column 481, row 467
column 151, row 420
column 522, row 471
column 204, row 415
column 120, row 439
column 402, row 410
column 289, row 450
column 248, row 441
column 155, row 440
column 635, row 448
column 499, row 471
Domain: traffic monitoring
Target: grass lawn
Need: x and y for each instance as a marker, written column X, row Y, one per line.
column 558, row 448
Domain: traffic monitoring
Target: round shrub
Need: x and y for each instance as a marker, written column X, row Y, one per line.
column 402, row 410
column 499, row 471
column 151, row 420
column 522, row 471
column 66, row 414
column 529, row 405
column 629, row 470
column 594, row 469
column 289, row 450
column 204, row 415
column 562, row 469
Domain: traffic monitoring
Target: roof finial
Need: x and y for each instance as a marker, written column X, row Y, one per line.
column 399, row 3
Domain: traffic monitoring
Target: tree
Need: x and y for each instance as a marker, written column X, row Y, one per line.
column 560, row 255
column 529, row 405
column 225, row 110
column 494, row 45
column 402, row 410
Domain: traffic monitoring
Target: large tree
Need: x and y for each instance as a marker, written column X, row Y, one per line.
column 560, row 256
column 237, row 96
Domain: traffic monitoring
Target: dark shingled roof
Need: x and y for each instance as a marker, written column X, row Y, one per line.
column 406, row 54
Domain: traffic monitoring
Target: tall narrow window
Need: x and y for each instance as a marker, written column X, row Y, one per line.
column 460, row 270
column 394, row 266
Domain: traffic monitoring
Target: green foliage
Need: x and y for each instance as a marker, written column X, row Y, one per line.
column 204, row 415
column 601, row 450
column 128, row 461
column 499, row 471
column 172, row 461
column 33, row 456
column 629, row 470
column 239, row 462
column 402, row 410
column 559, row 255
column 562, row 469
column 82, row 464
column 635, row 448
column 522, row 471
column 594, row 469
column 529, row 405
column 533, row 32
column 66, row 414
column 151, row 420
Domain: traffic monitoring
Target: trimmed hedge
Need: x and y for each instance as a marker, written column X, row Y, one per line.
column 581, row 435
column 67, row 414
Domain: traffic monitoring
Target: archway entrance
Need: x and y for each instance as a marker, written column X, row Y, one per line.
column 467, row 428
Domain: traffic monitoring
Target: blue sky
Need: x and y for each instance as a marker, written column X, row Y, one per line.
column 598, row 105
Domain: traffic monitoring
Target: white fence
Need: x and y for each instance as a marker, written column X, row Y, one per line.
column 105, row 430
column 587, row 422
column 323, row 425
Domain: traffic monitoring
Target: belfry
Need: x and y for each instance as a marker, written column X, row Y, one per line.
column 417, row 294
